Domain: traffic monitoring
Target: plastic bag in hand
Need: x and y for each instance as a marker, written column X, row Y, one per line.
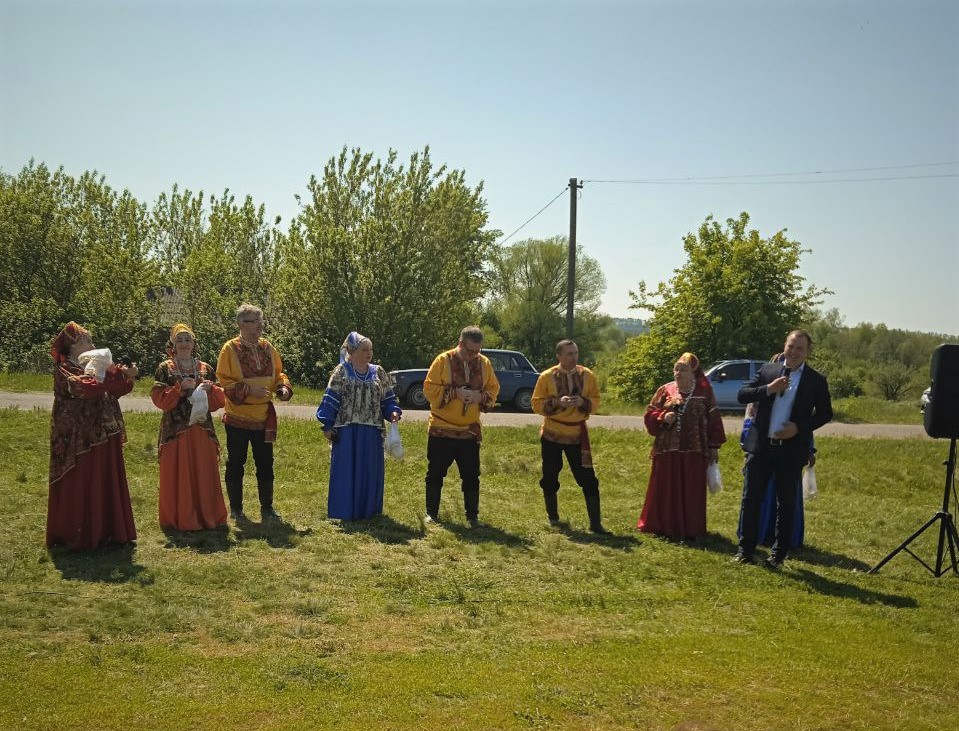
column 199, row 406
column 809, row 489
column 714, row 480
column 95, row 362
column 393, row 444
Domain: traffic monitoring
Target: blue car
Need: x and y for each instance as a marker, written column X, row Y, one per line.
column 727, row 377
column 517, row 378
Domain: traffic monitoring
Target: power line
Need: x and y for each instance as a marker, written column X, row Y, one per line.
column 503, row 241
column 776, row 175
column 693, row 181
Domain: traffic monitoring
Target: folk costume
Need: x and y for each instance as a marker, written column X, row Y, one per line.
column 354, row 407
column 191, row 494
column 454, row 428
column 564, row 431
column 250, row 421
column 675, row 503
column 89, row 499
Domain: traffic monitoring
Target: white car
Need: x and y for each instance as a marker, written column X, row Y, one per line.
column 924, row 400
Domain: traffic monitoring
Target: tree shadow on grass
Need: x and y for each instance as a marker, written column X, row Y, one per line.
column 111, row 564
column 382, row 528
column 842, row 590
column 622, row 543
column 485, row 533
column 201, row 541
column 277, row 533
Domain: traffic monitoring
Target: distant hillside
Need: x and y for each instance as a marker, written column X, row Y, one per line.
column 631, row 325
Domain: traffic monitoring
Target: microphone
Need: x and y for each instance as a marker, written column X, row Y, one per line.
column 786, row 374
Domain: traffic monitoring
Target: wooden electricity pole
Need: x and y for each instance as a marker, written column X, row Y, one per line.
column 574, row 186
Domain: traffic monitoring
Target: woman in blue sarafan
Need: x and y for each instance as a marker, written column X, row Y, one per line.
column 357, row 400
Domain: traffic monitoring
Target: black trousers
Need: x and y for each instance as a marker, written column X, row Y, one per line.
column 441, row 452
column 779, row 462
column 237, row 443
column 552, row 453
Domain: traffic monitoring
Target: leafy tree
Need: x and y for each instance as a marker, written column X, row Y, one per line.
column 527, row 300
column 394, row 251
column 737, row 296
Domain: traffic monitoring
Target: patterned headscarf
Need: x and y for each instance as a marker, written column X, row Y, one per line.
column 692, row 361
column 353, row 341
column 60, row 346
column 174, row 331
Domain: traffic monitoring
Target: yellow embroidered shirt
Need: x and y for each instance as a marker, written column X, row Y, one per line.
column 562, row 423
column 449, row 416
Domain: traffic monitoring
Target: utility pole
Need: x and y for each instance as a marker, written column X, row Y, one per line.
column 574, row 186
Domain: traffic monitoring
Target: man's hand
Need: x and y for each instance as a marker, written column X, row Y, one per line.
column 260, row 391
column 788, row 431
column 811, row 462
column 778, row 386
column 467, row 395
column 571, row 401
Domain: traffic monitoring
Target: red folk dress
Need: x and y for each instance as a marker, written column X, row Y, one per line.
column 675, row 504
column 191, row 494
column 89, row 499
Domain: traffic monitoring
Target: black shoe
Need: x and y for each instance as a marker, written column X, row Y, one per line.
column 237, row 515
column 773, row 563
column 555, row 522
column 270, row 515
column 431, row 520
column 599, row 530
column 743, row 557
column 474, row 523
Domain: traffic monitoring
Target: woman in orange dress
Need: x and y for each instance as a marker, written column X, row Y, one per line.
column 191, row 494
column 89, row 500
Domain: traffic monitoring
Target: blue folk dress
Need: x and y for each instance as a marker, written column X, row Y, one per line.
column 354, row 407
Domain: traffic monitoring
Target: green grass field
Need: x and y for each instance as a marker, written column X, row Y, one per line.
column 382, row 625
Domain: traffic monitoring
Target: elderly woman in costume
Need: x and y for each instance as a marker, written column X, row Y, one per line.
column 89, row 501
column 191, row 495
column 688, row 430
column 357, row 400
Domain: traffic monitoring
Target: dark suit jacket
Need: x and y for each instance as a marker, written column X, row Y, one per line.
column 811, row 409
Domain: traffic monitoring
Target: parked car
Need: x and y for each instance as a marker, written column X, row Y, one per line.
column 516, row 375
column 727, row 377
column 924, row 399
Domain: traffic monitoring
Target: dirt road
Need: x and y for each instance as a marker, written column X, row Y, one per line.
column 497, row 418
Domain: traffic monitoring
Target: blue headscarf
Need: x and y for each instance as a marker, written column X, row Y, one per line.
column 353, row 341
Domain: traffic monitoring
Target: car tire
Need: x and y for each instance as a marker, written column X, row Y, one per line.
column 416, row 398
column 523, row 400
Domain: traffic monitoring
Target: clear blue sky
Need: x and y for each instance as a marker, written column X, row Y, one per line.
column 523, row 96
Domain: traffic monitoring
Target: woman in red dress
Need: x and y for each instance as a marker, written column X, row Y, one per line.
column 688, row 430
column 89, row 501
column 191, row 494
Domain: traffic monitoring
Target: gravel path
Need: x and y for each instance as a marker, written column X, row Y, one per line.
column 498, row 418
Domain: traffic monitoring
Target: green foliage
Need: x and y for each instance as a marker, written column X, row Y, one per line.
column 393, row 251
column 737, row 296
column 71, row 249
column 526, row 305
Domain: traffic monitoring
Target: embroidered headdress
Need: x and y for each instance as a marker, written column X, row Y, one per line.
column 60, row 346
column 353, row 341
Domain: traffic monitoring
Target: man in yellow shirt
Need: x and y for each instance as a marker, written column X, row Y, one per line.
column 251, row 372
column 566, row 395
column 460, row 385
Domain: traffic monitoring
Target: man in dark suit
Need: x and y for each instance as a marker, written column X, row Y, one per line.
column 793, row 401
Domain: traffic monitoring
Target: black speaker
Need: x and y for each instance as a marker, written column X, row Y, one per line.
column 942, row 411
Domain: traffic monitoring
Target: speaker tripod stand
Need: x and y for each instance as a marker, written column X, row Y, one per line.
column 947, row 529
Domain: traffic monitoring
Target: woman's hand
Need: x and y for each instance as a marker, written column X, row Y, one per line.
column 670, row 418
column 206, row 385
column 130, row 372
column 284, row 393
column 187, row 384
column 713, row 454
column 395, row 417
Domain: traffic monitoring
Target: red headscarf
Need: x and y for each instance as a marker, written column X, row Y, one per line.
column 60, row 347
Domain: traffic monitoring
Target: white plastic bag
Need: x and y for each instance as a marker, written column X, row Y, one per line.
column 714, row 480
column 95, row 362
column 809, row 489
column 393, row 444
column 199, row 406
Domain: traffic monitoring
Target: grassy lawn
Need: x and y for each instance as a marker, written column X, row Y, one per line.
column 863, row 410
column 382, row 625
